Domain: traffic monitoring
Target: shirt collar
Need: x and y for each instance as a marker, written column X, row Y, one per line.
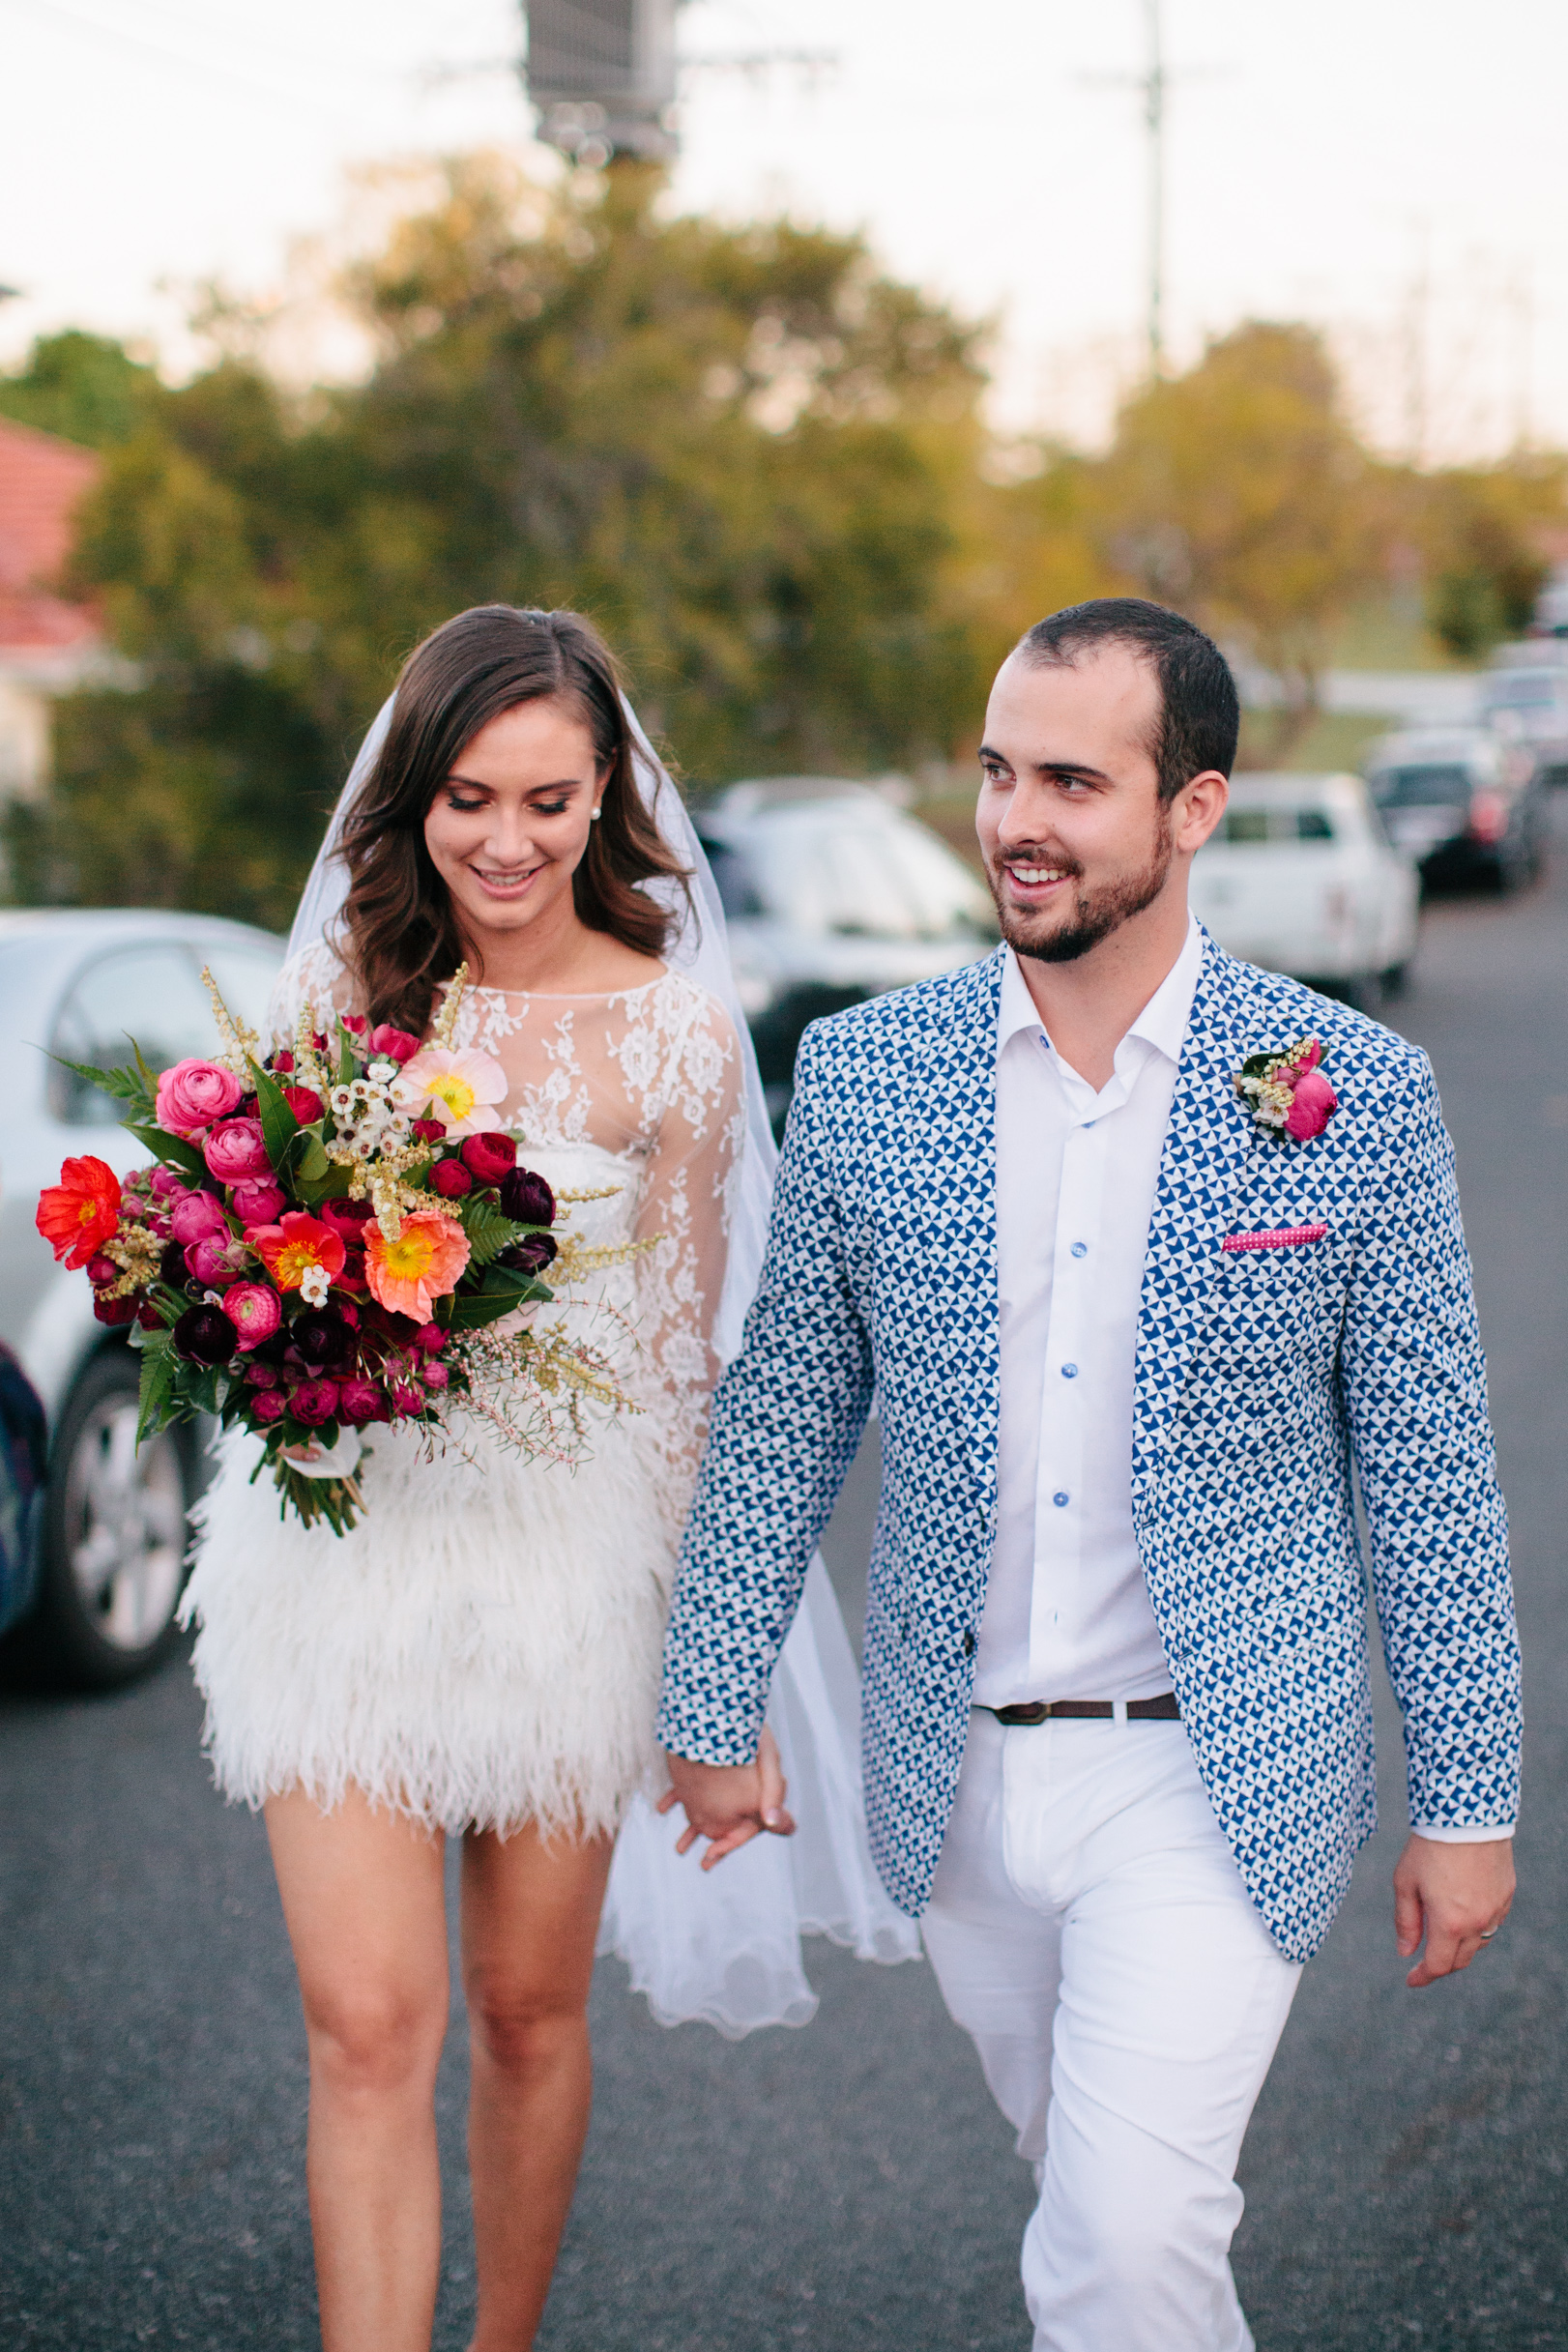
column 1162, row 1023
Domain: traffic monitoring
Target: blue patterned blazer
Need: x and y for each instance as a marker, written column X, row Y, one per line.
column 1258, row 1374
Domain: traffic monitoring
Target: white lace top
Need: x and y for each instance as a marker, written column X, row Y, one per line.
column 650, row 1079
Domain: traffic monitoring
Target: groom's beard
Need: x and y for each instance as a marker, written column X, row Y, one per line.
column 1092, row 913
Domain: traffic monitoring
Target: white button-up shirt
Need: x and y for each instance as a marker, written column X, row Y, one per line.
column 1066, row 1610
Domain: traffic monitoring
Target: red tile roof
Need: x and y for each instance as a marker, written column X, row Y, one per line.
column 42, row 481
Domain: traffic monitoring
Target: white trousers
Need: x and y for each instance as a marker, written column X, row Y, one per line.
column 1089, row 1929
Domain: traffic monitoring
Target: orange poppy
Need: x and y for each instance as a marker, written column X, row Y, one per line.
column 422, row 1264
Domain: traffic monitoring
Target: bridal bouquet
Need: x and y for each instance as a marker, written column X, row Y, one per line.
column 328, row 1240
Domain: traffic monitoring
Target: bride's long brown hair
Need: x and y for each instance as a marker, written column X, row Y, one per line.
column 397, row 930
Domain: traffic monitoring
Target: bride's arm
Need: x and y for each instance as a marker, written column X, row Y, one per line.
column 686, row 1212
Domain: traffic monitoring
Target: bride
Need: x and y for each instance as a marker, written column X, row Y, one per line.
column 478, row 1658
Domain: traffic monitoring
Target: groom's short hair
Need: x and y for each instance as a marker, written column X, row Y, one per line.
column 1199, row 712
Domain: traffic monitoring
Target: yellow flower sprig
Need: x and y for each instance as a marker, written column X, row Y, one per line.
column 239, row 1044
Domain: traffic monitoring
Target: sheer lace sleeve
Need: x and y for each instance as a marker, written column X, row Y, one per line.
column 317, row 976
column 685, row 1208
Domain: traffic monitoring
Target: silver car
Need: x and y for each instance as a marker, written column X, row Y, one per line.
column 79, row 985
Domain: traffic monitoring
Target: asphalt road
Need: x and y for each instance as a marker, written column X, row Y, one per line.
column 848, row 2186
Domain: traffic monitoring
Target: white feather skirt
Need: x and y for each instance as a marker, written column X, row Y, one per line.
column 481, row 1651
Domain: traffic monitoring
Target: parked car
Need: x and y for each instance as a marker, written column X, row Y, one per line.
column 1299, row 877
column 108, row 1570
column 1468, row 805
column 831, row 894
column 1523, row 700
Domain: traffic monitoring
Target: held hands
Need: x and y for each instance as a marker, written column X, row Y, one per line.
column 1453, row 1894
column 728, row 1804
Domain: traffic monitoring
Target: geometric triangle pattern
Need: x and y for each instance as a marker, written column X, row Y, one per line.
column 1261, row 1377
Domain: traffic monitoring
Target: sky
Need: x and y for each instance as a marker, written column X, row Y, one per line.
column 1386, row 168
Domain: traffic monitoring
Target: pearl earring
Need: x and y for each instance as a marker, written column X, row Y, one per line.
column 596, row 815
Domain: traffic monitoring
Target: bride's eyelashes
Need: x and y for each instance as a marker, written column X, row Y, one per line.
column 468, row 807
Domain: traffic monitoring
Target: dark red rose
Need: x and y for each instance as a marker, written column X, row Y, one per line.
column 451, row 1178
column 283, row 1063
column 306, row 1104
column 313, row 1401
column 205, row 1335
column 526, row 1198
column 427, row 1131
column 396, row 1043
column 269, row 1404
column 348, row 1219
column 321, row 1335
column 114, row 1310
column 362, row 1401
column 529, row 1256
column 491, row 1155
column 148, row 1315
column 101, row 1272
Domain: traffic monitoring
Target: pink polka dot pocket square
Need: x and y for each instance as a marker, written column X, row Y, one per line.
column 1278, row 1237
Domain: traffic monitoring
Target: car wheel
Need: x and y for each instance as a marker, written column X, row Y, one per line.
column 114, row 1532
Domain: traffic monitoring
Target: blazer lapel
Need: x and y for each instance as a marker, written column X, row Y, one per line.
column 955, row 1179
column 1202, row 1169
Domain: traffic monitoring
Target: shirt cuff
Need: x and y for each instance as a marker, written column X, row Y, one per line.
column 1464, row 1837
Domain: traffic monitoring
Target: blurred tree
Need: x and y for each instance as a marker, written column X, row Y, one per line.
column 86, row 387
column 1479, row 529
column 741, row 448
column 1239, row 493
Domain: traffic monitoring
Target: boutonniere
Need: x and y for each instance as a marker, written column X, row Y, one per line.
column 1287, row 1091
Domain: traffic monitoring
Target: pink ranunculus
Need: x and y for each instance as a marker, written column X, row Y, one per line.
column 168, row 1186
column 255, row 1310
column 209, row 1261
column 260, row 1375
column 192, row 1094
column 431, row 1337
column 198, row 1217
column 314, row 1401
column 1313, row 1104
column 237, row 1150
column 394, row 1043
column 490, row 1156
column 406, row 1398
column 258, row 1202
column 269, row 1404
column 434, row 1374
column 1310, row 1058
column 360, row 1400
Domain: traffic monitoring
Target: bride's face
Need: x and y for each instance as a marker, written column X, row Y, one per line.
column 509, row 826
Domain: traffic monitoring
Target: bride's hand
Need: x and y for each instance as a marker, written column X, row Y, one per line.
column 728, row 1804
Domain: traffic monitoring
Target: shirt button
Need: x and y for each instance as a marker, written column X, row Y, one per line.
column 1060, row 1502
column 1080, row 1249
column 1070, row 1372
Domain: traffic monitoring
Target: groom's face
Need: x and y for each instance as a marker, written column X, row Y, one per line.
column 1074, row 835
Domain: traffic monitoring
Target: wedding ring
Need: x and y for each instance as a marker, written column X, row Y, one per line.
column 1487, row 1934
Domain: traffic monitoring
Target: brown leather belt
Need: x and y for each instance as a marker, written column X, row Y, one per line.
column 1161, row 1710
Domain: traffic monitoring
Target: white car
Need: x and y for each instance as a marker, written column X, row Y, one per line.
column 1301, row 877
column 79, row 985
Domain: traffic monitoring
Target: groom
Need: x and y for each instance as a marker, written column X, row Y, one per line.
column 1132, row 1329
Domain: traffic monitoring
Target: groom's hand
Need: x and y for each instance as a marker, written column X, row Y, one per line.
column 1451, row 1895
column 728, row 1804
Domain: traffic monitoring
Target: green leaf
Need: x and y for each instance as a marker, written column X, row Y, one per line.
column 502, row 1289
column 278, row 1124
column 159, row 1367
column 312, row 1166
column 172, row 1149
column 122, row 1083
column 488, row 1231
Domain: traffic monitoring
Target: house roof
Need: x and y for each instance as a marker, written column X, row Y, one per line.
column 42, row 480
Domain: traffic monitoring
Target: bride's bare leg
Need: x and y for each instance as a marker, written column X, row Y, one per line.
column 363, row 1900
column 530, row 1916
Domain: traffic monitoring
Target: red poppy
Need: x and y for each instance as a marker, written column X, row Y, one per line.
column 82, row 1211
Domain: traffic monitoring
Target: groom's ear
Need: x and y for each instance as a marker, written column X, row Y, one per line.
column 1196, row 810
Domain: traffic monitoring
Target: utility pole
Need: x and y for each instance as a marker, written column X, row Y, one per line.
column 1154, row 89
